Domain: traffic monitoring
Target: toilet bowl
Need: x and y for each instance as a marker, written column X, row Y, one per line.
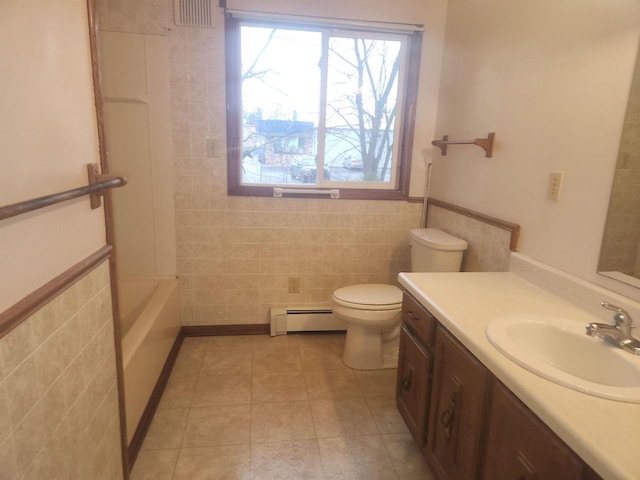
column 372, row 313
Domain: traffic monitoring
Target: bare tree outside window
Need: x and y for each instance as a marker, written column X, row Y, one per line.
column 322, row 94
column 361, row 99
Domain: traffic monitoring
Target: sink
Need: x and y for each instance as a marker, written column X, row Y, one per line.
column 558, row 349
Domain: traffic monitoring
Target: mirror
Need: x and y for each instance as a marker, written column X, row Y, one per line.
column 620, row 252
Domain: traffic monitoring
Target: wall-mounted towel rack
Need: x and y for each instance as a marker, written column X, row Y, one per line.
column 485, row 143
column 98, row 183
column 281, row 192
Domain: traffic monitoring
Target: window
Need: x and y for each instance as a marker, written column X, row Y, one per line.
column 319, row 107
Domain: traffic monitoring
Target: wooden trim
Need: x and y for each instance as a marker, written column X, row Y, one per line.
column 496, row 222
column 216, row 330
column 154, row 401
column 409, row 112
column 233, row 77
column 19, row 312
column 110, row 235
column 97, row 81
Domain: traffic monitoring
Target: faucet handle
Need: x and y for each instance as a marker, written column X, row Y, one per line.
column 615, row 308
column 621, row 317
column 612, row 307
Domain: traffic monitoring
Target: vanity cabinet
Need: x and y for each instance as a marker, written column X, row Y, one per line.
column 415, row 363
column 413, row 388
column 419, row 321
column 457, row 410
column 467, row 424
column 519, row 446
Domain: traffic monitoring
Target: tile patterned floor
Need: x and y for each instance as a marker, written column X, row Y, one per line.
column 283, row 408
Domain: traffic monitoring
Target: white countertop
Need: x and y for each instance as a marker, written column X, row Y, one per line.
column 604, row 433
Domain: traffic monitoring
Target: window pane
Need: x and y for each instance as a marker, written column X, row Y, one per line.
column 319, row 106
column 362, row 91
column 280, row 104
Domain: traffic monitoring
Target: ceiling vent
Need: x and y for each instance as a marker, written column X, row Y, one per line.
column 194, row 13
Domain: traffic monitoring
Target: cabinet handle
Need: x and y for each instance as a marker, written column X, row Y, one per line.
column 411, row 316
column 529, row 470
column 446, row 419
column 406, row 381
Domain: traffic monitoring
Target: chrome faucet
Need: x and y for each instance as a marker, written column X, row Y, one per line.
column 619, row 333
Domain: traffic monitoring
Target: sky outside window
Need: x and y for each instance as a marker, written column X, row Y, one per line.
column 280, row 71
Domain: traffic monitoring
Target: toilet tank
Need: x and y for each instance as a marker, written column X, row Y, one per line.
column 433, row 250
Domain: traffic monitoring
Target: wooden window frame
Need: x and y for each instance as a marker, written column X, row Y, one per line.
column 234, row 126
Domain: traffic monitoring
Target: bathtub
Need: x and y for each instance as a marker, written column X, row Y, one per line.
column 150, row 323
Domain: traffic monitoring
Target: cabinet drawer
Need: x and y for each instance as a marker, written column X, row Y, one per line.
column 419, row 321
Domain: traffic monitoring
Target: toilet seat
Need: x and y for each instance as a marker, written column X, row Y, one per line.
column 369, row 297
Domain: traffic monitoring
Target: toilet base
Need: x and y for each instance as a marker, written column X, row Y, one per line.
column 369, row 349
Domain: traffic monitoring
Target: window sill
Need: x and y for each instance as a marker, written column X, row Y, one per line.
column 345, row 193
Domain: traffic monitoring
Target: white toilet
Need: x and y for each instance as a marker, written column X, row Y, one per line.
column 372, row 312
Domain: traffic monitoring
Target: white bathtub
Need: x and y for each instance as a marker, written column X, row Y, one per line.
column 150, row 323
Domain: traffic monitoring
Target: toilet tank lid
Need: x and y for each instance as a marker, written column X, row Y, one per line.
column 370, row 294
column 437, row 239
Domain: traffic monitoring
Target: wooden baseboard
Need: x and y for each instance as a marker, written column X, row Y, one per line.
column 154, row 401
column 216, row 330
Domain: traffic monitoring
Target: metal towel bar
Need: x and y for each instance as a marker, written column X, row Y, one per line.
column 98, row 183
column 280, row 192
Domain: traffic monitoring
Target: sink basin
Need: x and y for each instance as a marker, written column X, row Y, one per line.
column 559, row 350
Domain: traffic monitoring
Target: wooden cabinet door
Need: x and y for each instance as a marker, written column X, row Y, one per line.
column 457, row 410
column 520, row 446
column 413, row 387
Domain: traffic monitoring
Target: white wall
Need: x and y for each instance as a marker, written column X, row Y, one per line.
column 551, row 79
column 47, row 136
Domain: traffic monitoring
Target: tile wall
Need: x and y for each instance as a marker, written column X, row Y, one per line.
column 236, row 254
column 58, row 389
column 488, row 245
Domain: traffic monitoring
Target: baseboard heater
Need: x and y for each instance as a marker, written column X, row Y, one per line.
column 285, row 320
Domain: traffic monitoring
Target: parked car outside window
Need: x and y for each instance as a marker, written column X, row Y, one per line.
column 350, row 161
column 305, row 169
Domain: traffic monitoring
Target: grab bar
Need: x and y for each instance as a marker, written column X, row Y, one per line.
column 98, row 182
column 485, row 143
column 280, row 192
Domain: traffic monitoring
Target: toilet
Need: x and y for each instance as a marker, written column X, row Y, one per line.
column 372, row 312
